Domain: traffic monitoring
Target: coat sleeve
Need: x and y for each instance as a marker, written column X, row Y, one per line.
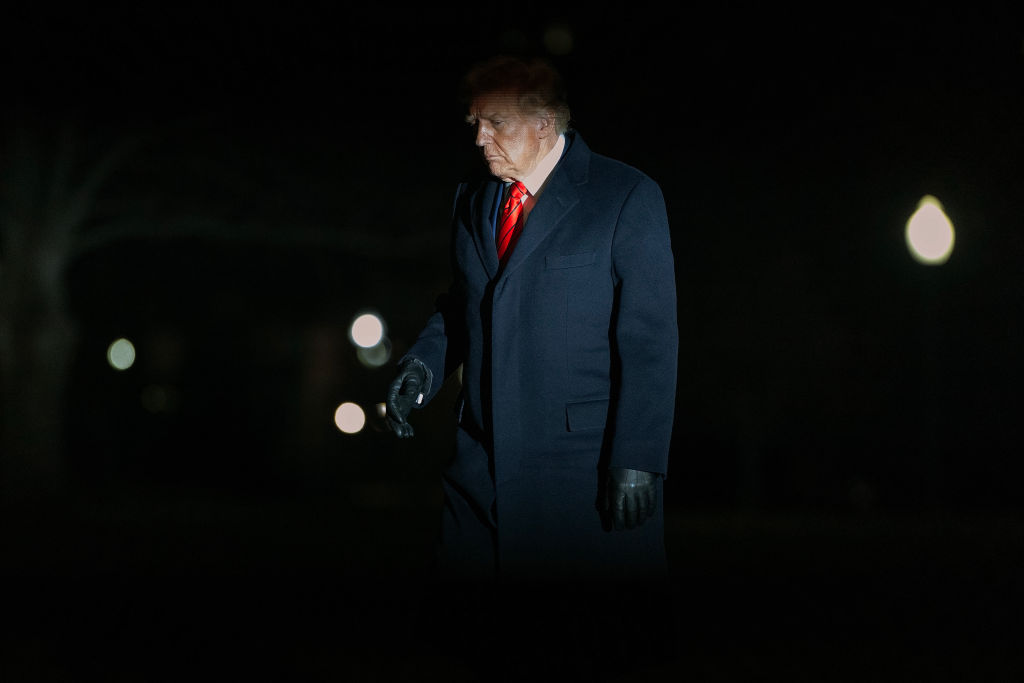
column 440, row 345
column 645, row 333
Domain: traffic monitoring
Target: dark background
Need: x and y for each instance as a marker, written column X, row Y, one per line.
column 845, row 469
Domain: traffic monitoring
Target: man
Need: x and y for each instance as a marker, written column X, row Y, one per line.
column 562, row 318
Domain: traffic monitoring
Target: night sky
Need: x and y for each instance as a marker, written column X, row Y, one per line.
column 279, row 171
column 256, row 213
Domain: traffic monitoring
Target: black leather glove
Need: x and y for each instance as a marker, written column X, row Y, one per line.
column 630, row 497
column 404, row 392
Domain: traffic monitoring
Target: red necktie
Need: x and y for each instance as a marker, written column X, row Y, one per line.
column 511, row 221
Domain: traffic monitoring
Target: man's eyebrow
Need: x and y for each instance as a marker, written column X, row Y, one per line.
column 494, row 116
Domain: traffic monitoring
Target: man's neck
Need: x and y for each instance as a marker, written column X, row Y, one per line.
column 535, row 179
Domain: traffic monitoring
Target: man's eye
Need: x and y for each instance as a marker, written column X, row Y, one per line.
column 498, row 123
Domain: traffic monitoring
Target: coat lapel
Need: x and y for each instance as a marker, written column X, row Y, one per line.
column 483, row 232
column 556, row 201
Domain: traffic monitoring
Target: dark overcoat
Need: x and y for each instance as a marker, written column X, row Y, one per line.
column 568, row 359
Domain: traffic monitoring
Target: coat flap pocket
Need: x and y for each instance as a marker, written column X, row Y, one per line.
column 586, row 415
column 553, row 262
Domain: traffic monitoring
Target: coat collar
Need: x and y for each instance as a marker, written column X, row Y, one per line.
column 560, row 195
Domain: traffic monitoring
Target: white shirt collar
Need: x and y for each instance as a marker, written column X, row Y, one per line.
column 535, row 180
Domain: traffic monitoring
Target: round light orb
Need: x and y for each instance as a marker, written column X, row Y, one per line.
column 929, row 233
column 121, row 354
column 349, row 418
column 558, row 39
column 367, row 330
column 375, row 356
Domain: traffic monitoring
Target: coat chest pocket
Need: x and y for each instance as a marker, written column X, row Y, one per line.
column 553, row 262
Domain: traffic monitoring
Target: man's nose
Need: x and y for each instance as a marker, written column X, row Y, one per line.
column 483, row 136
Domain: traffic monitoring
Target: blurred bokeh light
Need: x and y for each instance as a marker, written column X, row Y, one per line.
column 121, row 354
column 375, row 356
column 367, row 330
column 929, row 233
column 558, row 39
column 349, row 418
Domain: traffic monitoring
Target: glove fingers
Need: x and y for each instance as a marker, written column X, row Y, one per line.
column 394, row 413
column 631, row 497
column 630, row 512
column 401, row 428
column 648, row 504
column 410, row 387
column 393, row 405
column 401, row 395
column 652, row 502
column 618, row 508
column 403, row 392
column 399, row 408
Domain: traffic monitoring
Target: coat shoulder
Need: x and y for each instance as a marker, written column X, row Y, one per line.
column 607, row 167
column 603, row 170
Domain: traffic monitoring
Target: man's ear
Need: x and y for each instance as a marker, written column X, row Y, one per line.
column 545, row 124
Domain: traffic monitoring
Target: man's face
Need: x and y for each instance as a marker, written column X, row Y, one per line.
column 510, row 141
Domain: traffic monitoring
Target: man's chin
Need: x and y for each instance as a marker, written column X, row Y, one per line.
column 498, row 170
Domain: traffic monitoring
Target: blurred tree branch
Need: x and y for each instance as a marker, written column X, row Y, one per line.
column 47, row 191
column 66, row 191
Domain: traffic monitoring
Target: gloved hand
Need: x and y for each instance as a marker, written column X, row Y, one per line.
column 630, row 497
column 405, row 391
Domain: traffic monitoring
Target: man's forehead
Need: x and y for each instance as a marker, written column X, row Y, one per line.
column 494, row 104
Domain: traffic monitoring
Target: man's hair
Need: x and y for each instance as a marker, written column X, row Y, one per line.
column 538, row 86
